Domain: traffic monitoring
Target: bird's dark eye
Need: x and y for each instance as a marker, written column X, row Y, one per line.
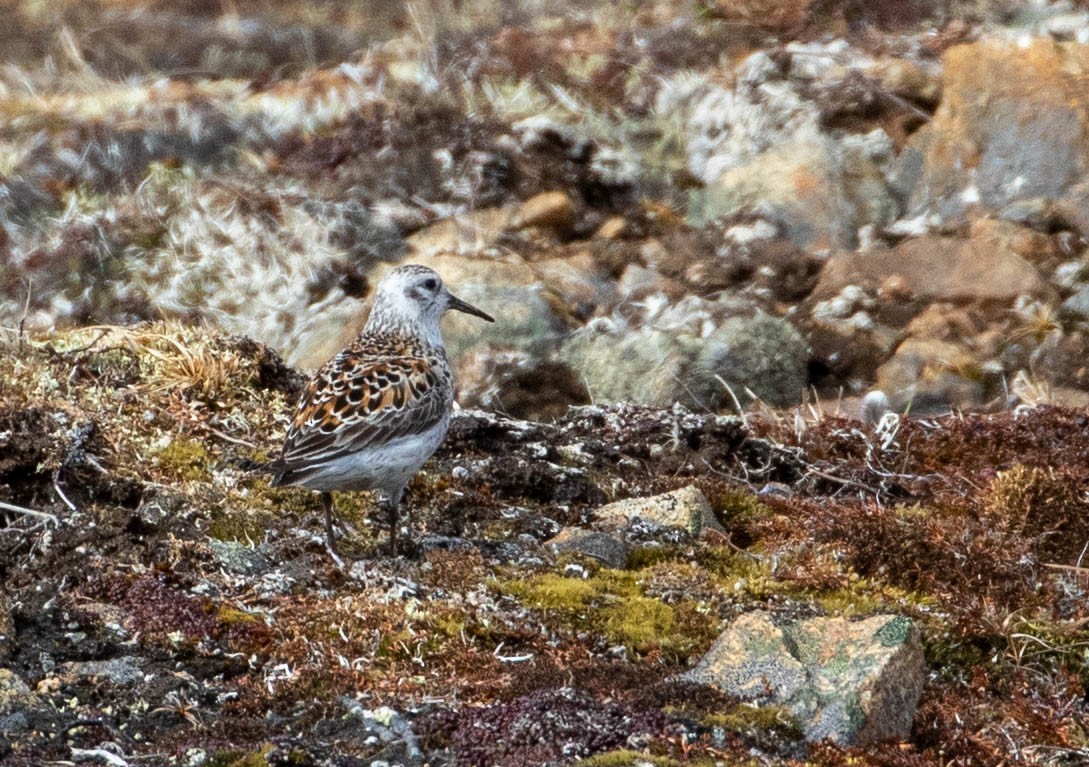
column 431, row 283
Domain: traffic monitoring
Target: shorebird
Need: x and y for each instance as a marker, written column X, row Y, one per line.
column 373, row 414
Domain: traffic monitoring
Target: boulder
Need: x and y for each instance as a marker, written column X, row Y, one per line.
column 853, row 682
column 550, row 210
column 689, row 355
column 970, row 269
column 762, row 354
column 686, row 509
column 1027, row 138
column 933, row 376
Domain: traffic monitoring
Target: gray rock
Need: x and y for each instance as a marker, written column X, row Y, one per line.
column 122, row 671
column 1077, row 305
column 14, row 692
column 239, row 558
column 686, row 508
column 609, row 550
column 853, row 682
column 1025, row 142
column 665, row 364
column 644, row 366
column 764, row 354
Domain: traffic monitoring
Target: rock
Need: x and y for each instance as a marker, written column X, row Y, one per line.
column 970, row 270
column 908, row 79
column 582, row 288
column 1028, row 138
column 760, row 146
column 472, row 232
column 762, row 354
column 123, row 671
column 935, row 376
column 613, row 228
column 609, row 550
column 819, row 193
column 551, row 210
column 239, row 558
column 1077, row 305
column 685, row 351
column 643, row 366
column 686, row 508
column 14, row 692
column 853, row 682
column 518, row 384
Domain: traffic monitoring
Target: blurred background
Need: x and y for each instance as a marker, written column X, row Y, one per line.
column 719, row 203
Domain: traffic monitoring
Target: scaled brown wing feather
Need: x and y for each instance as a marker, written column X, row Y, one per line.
column 355, row 402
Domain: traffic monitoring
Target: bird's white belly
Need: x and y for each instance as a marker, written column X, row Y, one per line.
column 388, row 466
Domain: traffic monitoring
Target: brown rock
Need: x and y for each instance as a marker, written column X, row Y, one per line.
column 686, row 508
column 1013, row 125
column 937, row 269
column 551, row 210
column 613, row 229
column 1035, row 247
column 908, row 79
column 933, row 376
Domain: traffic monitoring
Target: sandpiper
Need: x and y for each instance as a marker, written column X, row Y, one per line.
column 373, row 414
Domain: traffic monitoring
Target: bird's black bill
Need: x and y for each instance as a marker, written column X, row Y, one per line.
column 464, row 306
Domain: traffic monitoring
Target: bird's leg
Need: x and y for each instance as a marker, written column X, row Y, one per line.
column 392, row 504
column 327, row 504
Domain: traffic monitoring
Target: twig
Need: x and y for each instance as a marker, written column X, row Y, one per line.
column 26, row 309
column 737, row 403
column 229, row 438
column 57, row 488
column 42, row 515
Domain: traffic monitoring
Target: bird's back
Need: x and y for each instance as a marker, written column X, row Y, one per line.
column 380, row 402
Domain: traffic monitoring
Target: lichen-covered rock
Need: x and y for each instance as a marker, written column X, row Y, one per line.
column 611, row 550
column 762, row 354
column 686, row 508
column 690, row 353
column 123, row 671
column 853, row 682
column 14, row 692
column 1026, row 139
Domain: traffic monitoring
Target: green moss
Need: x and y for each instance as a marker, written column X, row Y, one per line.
column 640, row 623
column 237, row 758
column 628, row 758
column 243, row 524
column 552, row 591
column 229, row 616
column 185, row 459
column 763, row 723
column 648, row 556
column 744, row 572
column 737, row 507
column 612, row 604
column 862, row 596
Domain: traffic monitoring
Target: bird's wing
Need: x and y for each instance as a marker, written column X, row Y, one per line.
column 356, row 401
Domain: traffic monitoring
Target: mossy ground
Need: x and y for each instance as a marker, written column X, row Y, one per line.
column 978, row 537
